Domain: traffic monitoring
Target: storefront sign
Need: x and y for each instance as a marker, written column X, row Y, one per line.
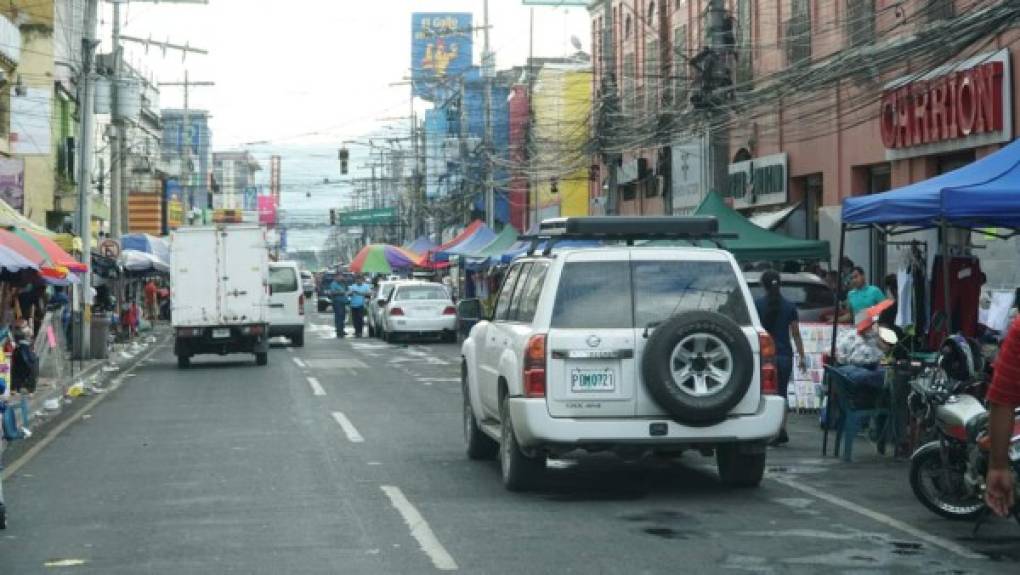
column 758, row 182
column 688, row 175
column 964, row 106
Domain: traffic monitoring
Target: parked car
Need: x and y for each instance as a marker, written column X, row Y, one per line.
column 307, row 283
column 629, row 349
column 814, row 299
column 286, row 303
column 375, row 305
column 418, row 308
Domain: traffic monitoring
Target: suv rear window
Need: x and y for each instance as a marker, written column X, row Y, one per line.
column 282, row 280
column 596, row 295
column 407, row 293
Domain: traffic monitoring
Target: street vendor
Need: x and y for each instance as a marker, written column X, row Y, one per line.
column 862, row 295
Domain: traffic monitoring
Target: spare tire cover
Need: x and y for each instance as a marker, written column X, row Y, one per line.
column 698, row 366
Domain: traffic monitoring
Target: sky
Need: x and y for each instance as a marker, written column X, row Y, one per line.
column 300, row 77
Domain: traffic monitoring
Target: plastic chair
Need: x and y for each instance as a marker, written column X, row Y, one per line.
column 850, row 415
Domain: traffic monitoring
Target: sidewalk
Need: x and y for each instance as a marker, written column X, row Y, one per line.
column 874, row 483
column 53, row 394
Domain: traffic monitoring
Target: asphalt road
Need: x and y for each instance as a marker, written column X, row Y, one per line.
column 347, row 457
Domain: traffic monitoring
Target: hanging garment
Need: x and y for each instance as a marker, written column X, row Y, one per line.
column 905, row 298
column 961, row 312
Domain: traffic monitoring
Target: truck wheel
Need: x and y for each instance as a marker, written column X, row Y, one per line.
column 262, row 358
column 698, row 366
column 479, row 445
column 183, row 361
column 520, row 472
column 738, row 469
column 298, row 340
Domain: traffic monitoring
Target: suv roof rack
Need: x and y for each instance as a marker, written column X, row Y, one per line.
column 628, row 229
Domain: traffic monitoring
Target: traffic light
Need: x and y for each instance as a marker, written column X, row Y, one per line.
column 343, row 155
column 332, row 217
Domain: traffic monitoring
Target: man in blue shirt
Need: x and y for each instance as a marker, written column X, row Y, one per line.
column 861, row 295
column 337, row 290
column 360, row 292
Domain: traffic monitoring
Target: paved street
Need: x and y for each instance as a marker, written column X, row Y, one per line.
column 347, row 457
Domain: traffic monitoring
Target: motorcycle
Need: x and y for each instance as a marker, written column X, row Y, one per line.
column 947, row 474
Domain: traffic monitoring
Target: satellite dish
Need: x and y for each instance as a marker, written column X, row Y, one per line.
column 576, row 42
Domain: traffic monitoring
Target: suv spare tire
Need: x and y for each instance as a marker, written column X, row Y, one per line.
column 698, row 366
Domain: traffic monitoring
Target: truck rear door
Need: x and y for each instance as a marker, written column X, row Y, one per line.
column 242, row 261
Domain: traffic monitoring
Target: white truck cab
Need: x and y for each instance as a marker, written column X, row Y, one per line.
column 622, row 348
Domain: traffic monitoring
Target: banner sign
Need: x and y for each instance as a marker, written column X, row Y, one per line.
column 368, row 217
column 441, row 50
column 12, row 183
column 267, row 210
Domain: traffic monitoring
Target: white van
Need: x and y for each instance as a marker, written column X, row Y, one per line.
column 286, row 302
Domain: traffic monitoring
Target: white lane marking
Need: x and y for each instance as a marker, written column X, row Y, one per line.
column 882, row 518
column 316, row 386
column 439, row 379
column 349, row 430
column 298, row 362
column 420, row 529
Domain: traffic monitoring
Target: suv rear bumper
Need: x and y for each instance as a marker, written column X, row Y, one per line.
column 535, row 427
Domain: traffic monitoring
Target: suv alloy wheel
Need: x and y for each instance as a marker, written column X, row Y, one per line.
column 520, row 472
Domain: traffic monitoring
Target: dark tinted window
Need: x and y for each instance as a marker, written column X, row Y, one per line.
column 527, row 300
column 593, row 295
column 663, row 289
column 506, row 293
column 283, row 280
column 805, row 296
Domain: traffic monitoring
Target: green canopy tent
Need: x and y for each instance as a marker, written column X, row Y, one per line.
column 492, row 251
column 758, row 244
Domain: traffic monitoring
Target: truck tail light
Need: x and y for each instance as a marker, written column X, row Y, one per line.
column 189, row 332
column 301, row 304
column 534, row 367
column 252, row 330
column 396, row 311
column 450, row 310
column 769, row 372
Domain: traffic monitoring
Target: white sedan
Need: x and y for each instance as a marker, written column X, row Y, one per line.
column 419, row 308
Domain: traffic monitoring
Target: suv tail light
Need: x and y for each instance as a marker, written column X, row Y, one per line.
column 450, row 310
column 396, row 311
column 301, row 304
column 769, row 372
column 534, row 367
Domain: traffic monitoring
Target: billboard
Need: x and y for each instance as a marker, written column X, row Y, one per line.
column 441, row 51
column 267, row 210
column 12, row 183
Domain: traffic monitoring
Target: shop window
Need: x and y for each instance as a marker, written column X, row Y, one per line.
column 860, row 22
column 798, row 33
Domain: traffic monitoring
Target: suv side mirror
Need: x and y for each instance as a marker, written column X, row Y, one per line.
column 470, row 309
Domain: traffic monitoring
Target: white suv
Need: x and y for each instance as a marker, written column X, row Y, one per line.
column 622, row 348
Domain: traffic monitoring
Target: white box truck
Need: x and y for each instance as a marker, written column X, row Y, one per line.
column 220, row 292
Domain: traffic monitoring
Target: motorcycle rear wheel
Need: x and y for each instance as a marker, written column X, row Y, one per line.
column 926, row 480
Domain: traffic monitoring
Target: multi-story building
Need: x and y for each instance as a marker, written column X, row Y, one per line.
column 234, row 180
column 813, row 101
column 189, row 166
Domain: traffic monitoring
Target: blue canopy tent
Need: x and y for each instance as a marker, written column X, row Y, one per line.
column 422, row 245
column 985, row 193
column 145, row 243
column 482, row 237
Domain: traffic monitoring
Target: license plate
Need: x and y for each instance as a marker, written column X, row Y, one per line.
column 582, row 380
column 221, row 333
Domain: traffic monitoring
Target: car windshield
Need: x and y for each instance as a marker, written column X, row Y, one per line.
column 806, row 296
column 283, row 279
column 409, row 293
column 617, row 295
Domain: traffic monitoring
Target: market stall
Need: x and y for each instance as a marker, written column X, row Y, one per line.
column 385, row 259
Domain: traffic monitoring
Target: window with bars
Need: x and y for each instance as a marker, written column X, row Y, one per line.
column 860, row 22
column 744, row 47
column 629, row 83
column 680, row 66
column 651, row 74
column 798, row 32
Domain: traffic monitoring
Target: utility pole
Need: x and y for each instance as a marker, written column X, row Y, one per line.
column 716, row 74
column 610, row 98
column 489, row 71
column 85, row 93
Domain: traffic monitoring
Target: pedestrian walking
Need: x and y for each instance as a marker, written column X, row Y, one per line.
column 151, row 312
column 337, row 291
column 862, row 295
column 1003, row 399
column 360, row 292
column 779, row 318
